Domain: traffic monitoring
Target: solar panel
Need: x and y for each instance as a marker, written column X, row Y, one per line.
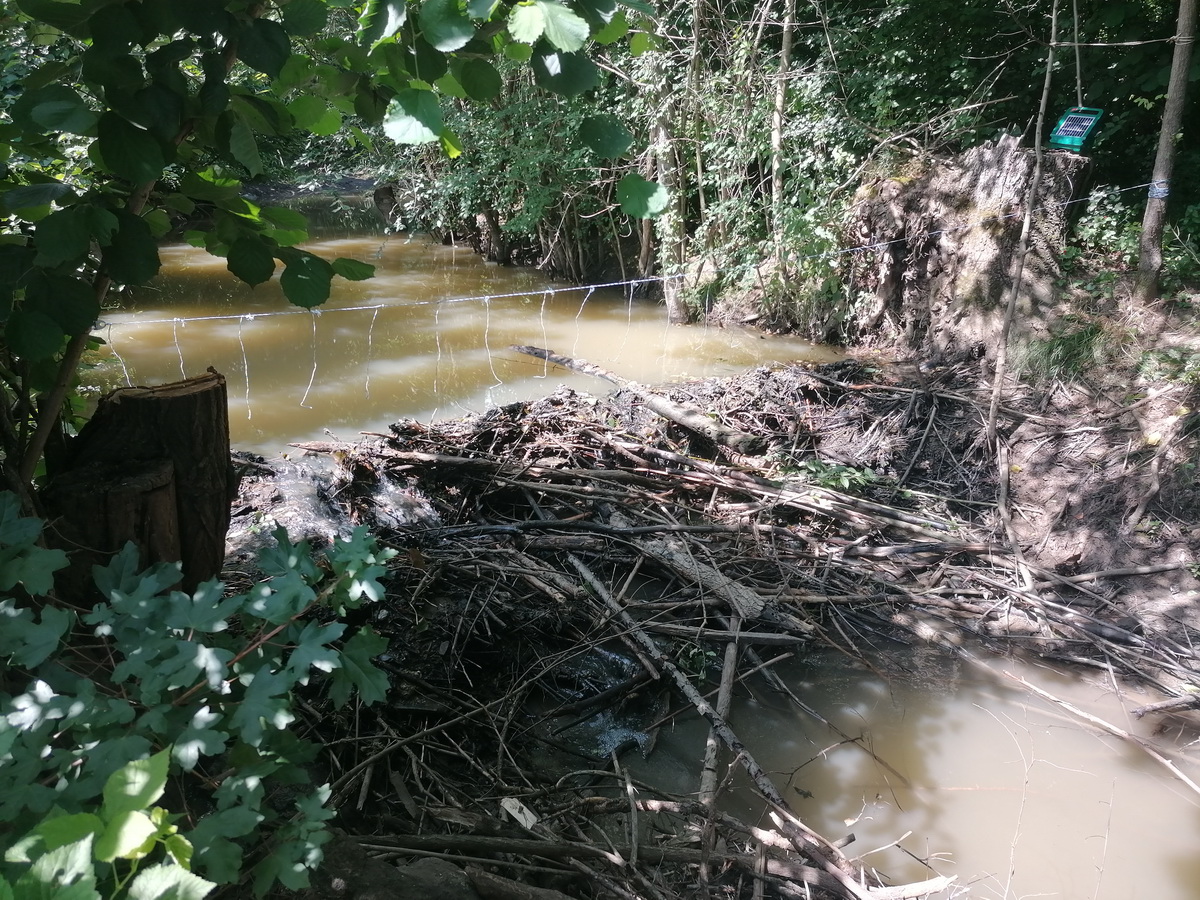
column 1075, row 129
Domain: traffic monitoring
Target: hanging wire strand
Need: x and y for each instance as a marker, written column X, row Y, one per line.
column 245, row 364
column 313, row 376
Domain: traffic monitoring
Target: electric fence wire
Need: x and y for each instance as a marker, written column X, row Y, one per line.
column 631, row 284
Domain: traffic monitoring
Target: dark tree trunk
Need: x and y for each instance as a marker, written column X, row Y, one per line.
column 152, row 466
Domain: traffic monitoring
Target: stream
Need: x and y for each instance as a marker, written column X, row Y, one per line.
column 1008, row 792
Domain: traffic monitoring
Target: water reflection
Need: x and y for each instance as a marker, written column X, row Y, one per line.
column 428, row 336
column 999, row 787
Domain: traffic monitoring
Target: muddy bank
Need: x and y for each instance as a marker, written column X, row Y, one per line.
column 563, row 559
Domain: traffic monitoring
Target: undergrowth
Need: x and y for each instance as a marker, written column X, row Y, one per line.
column 154, row 695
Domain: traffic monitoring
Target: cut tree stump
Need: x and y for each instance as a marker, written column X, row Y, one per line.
column 152, row 466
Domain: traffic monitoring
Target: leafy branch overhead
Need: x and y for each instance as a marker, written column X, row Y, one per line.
column 130, row 120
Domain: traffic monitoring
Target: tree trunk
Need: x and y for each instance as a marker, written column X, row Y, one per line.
column 1150, row 247
column 152, row 466
column 777, row 115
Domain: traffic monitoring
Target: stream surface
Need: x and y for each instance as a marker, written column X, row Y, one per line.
column 1004, row 790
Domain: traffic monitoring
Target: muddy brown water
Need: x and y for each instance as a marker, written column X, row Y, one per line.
column 1005, row 791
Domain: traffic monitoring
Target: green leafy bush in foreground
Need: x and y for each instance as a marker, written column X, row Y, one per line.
column 157, row 695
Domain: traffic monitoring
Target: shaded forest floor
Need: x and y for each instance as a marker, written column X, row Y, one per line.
column 544, row 543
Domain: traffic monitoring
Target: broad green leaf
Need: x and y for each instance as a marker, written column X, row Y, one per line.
column 137, row 784
column 425, row 61
column 380, row 20
column 296, row 72
column 640, row 198
column 16, row 529
column 605, row 135
column 449, row 85
column 53, row 108
column 63, row 237
column 65, row 16
column 132, row 257
column 444, row 25
column 306, row 279
column 67, row 873
column 264, row 46
column 616, row 28
column 180, row 850
column 312, row 650
column 642, row 42
column 207, row 184
column 199, row 740
column 129, row 151
column 304, row 17
column 266, row 703
column 329, row 123
column 62, row 830
column 413, row 117
column 358, row 672
column 168, row 882
column 564, row 30
column 518, row 51
column 480, row 9
column 480, row 79
column 26, row 642
column 243, row 147
column 526, row 22
column 282, row 217
column 352, row 269
column 568, row 74
column 35, row 195
column 251, row 260
column 70, row 302
column 451, row 144
column 32, row 335
column 128, row 835
column 307, row 110
column 159, row 222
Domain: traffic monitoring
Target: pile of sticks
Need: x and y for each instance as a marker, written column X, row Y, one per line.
column 833, row 509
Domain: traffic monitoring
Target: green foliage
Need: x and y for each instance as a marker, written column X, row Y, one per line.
column 198, row 694
column 1177, row 364
column 1076, row 346
column 128, row 116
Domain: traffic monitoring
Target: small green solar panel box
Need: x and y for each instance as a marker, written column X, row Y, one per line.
column 1076, row 129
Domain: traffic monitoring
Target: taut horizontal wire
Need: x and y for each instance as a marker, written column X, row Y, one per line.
column 633, row 282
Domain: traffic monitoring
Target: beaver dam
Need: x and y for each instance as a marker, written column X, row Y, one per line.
column 579, row 572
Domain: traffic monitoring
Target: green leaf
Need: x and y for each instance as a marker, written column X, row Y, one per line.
column 199, row 740
column 640, row 198
column 132, row 257
column 449, row 85
column 526, row 22
column 266, row 703
column 444, row 25
column 358, row 672
column 137, row 784
column 168, row 882
column 207, row 184
column 63, row 237
column 616, row 28
column 568, row 74
column 264, row 46
column 62, row 830
column 304, row 17
column 518, row 51
column 25, row 642
column 54, row 108
column 129, row 151
column 480, row 9
column 307, row 110
column 480, row 79
column 353, row 269
column 564, row 29
column 312, row 650
column 32, row 335
column 380, row 20
column 66, row 873
column 243, row 147
column 451, row 144
column 413, row 117
column 35, row 195
column 306, row 279
column 641, row 43
column 251, row 260
column 605, row 135
column 71, row 303
column 128, row 835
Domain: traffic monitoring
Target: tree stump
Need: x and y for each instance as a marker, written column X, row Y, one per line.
column 152, row 466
